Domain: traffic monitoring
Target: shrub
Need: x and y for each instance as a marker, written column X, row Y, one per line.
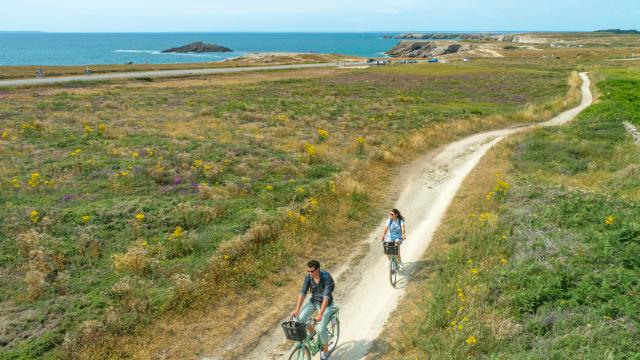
column 135, row 261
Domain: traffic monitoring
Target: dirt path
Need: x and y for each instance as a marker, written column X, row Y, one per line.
column 431, row 183
column 166, row 73
column 633, row 131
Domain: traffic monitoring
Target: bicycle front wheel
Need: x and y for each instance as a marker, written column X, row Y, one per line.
column 301, row 352
column 393, row 271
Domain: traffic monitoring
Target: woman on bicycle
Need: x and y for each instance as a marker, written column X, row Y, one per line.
column 395, row 231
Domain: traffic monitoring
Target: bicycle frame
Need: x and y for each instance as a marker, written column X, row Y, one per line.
column 314, row 345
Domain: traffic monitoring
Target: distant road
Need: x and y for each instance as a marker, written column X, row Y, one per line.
column 167, row 73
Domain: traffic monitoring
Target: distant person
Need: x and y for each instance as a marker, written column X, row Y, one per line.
column 321, row 285
column 395, row 231
column 39, row 73
column 87, row 70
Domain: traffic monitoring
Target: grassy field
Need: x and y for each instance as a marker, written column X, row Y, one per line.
column 537, row 257
column 125, row 203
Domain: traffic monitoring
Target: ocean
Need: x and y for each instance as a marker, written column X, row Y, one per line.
column 119, row 48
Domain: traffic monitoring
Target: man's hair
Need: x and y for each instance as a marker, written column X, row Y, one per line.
column 313, row 264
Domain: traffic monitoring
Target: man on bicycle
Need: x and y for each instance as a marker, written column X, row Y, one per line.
column 320, row 284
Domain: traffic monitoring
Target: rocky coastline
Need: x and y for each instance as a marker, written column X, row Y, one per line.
column 425, row 49
column 433, row 36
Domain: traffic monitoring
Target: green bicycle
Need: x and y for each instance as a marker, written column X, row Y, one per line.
column 391, row 249
column 309, row 345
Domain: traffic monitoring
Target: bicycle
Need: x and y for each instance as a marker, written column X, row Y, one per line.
column 391, row 249
column 309, row 344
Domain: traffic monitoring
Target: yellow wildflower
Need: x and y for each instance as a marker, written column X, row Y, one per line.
column 332, row 187
column 459, row 327
column 197, row 164
column 75, row 152
column 473, row 270
column 268, row 188
column 282, row 118
column 313, row 202
column 102, row 128
column 124, row 173
column 502, row 186
column 503, row 261
column 88, row 130
column 5, row 135
column 177, row 233
column 34, row 181
column 85, row 218
column 226, row 257
column 609, row 220
column 135, row 154
column 302, row 219
column 471, row 340
column 34, row 216
column 139, row 216
column 360, row 140
column 310, row 149
column 323, row 134
column 300, row 190
column 15, row 183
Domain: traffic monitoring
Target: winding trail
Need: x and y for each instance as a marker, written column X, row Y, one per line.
column 431, row 184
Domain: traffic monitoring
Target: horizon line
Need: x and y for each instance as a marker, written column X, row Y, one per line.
column 293, row 32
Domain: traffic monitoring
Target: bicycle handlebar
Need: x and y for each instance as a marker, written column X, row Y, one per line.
column 311, row 321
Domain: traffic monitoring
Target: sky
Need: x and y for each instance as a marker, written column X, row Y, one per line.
column 317, row 16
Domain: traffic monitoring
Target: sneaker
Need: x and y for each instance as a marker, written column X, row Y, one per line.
column 324, row 356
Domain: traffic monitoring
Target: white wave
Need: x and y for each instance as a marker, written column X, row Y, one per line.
column 139, row 51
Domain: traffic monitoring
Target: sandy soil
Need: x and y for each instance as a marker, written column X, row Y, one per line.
column 631, row 129
column 366, row 298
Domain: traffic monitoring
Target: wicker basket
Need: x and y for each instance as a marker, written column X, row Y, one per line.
column 390, row 248
column 294, row 330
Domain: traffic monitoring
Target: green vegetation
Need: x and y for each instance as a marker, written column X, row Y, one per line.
column 546, row 266
column 121, row 203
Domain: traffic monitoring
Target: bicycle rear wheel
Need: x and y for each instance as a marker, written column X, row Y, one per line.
column 334, row 332
column 301, row 352
column 393, row 271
